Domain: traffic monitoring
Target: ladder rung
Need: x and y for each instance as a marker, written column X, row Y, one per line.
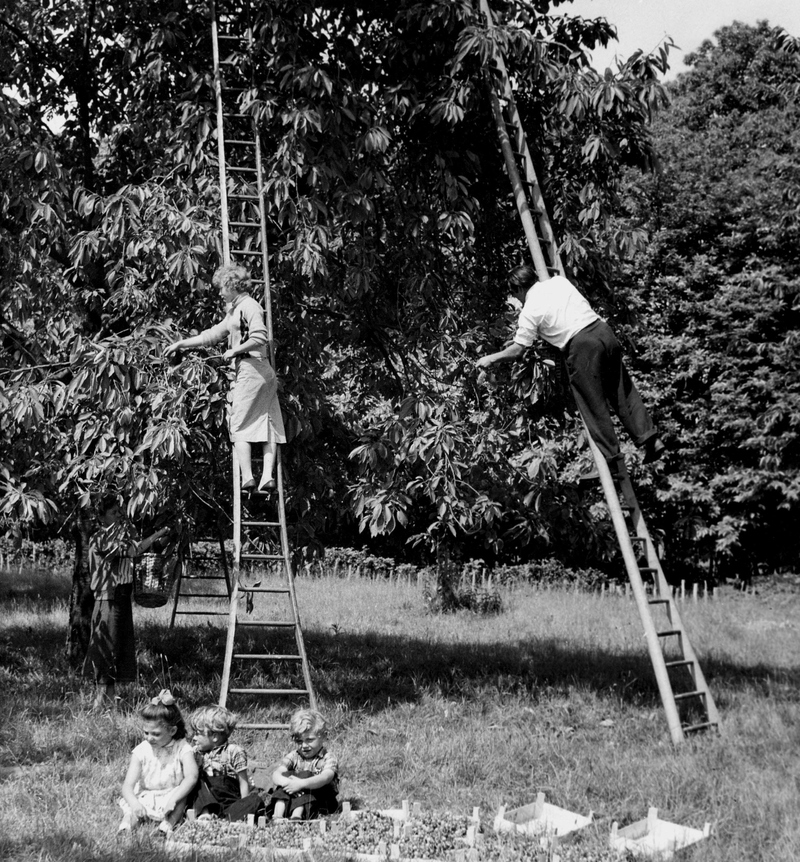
column 202, row 613
column 268, row 691
column 684, row 662
column 245, row 251
column 687, row 694
column 236, row 142
column 255, row 224
column 262, row 556
column 205, row 596
column 658, row 601
column 273, row 656
column 240, row 169
column 201, row 577
column 275, row 590
column 262, row 726
column 240, row 197
column 669, row 632
column 650, row 570
column 286, row 624
column 261, row 523
column 691, row 728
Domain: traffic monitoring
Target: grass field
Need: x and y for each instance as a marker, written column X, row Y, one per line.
column 555, row 693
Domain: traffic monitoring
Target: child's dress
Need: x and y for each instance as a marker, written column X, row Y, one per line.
column 218, row 790
column 161, row 773
column 316, row 802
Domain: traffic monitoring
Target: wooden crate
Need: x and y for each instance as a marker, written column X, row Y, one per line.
column 541, row 818
column 654, row 837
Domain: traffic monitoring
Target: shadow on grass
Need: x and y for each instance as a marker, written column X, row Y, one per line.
column 43, row 587
column 367, row 672
column 76, row 847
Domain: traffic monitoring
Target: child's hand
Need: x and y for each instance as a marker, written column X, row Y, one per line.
column 139, row 811
column 294, row 784
column 169, row 804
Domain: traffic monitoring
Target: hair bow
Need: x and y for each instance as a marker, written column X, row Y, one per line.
column 165, row 697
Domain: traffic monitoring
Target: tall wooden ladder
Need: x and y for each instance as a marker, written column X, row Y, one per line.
column 265, row 653
column 688, row 703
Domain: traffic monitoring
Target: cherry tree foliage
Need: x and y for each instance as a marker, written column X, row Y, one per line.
column 390, row 232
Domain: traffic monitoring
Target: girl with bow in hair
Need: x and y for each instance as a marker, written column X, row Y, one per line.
column 163, row 770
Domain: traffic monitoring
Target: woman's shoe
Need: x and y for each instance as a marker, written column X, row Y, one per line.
column 266, row 487
column 249, row 486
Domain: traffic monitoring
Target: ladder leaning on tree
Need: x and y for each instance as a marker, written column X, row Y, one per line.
column 257, row 659
column 687, row 700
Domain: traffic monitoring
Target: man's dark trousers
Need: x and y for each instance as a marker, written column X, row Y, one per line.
column 600, row 380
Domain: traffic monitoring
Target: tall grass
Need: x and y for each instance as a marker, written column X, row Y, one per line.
column 555, row 693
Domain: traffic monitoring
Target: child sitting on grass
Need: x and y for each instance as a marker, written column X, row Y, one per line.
column 306, row 779
column 162, row 771
column 224, row 788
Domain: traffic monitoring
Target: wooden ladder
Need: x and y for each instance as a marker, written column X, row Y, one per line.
column 257, row 660
column 688, row 703
column 197, row 585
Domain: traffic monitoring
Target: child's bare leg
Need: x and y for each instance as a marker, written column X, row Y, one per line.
column 280, row 810
column 245, row 466
column 270, row 453
column 297, row 814
column 104, row 694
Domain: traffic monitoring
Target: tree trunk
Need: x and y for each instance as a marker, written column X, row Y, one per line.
column 442, row 598
column 81, row 601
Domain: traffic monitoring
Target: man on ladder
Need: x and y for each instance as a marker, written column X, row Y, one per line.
column 557, row 312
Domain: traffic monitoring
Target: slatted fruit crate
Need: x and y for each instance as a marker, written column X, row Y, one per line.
column 654, row 837
column 541, row 819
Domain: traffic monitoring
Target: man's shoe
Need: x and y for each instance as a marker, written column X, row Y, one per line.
column 653, row 450
column 594, row 476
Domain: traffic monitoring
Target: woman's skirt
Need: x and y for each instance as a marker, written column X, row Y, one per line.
column 112, row 653
column 255, row 414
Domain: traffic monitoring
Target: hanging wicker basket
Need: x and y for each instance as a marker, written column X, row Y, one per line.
column 154, row 579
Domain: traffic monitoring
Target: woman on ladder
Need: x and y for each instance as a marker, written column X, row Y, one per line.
column 255, row 415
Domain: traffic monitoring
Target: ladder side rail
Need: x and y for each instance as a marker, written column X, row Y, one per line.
column 223, row 556
column 289, row 572
column 520, row 196
column 234, row 593
column 640, row 595
column 177, row 597
column 262, row 213
column 536, row 196
column 536, row 199
column 223, row 180
column 229, row 645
